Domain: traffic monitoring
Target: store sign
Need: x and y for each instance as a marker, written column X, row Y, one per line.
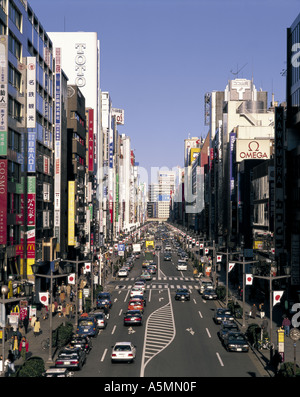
column 252, row 149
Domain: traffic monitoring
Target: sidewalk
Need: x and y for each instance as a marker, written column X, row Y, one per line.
column 35, row 342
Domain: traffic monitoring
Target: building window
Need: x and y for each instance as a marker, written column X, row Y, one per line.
column 13, row 172
column 14, row 77
column 14, row 140
column 14, row 46
column 15, row 15
column 3, row 4
column 14, row 109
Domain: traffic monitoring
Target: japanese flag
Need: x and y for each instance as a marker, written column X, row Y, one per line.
column 219, row 258
column 201, row 246
column 277, row 296
column 71, row 278
column 87, row 267
column 43, row 296
column 206, row 250
column 230, row 266
column 249, row 279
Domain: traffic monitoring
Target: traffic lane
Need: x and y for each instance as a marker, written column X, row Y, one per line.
column 189, row 352
column 237, row 364
column 99, row 360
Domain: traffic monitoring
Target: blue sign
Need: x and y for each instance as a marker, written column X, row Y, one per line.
column 121, row 247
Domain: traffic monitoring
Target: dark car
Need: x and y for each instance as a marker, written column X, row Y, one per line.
column 236, row 342
column 227, row 326
column 71, row 357
column 182, row 294
column 58, row 373
column 104, row 299
column 133, row 317
column 83, row 342
column 209, row 294
column 223, row 314
column 87, row 326
column 167, row 257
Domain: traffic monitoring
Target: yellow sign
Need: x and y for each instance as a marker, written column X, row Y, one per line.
column 280, row 335
column 193, row 154
column 149, row 243
column 71, row 213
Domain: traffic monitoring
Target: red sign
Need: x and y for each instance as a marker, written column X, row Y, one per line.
column 91, row 140
column 3, row 201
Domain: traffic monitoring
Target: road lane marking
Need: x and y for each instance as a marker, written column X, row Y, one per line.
column 200, row 314
column 208, row 333
column 113, row 330
column 194, row 301
column 220, row 361
column 103, row 355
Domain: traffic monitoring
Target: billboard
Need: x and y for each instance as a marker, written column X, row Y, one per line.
column 3, row 95
column 3, row 201
column 71, row 213
column 31, row 92
column 252, row 149
column 119, row 115
column 193, row 154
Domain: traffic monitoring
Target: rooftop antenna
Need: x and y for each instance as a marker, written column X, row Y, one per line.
column 238, row 70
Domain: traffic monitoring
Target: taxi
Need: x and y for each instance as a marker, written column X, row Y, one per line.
column 136, row 304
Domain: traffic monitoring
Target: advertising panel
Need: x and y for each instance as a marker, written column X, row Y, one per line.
column 71, row 213
column 3, row 95
column 252, row 149
column 31, row 92
column 31, row 214
column 119, row 115
column 194, row 153
column 3, row 201
column 90, row 123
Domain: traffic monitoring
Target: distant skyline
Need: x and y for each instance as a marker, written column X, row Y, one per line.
column 158, row 58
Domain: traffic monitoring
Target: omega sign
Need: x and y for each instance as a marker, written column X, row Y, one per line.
column 80, row 62
column 252, row 149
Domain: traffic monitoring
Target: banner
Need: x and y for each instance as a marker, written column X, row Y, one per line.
column 71, row 278
column 44, row 297
column 249, row 279
column 277, row 296
column 230, row 266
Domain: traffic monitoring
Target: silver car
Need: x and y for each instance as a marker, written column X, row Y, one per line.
column 123, row 351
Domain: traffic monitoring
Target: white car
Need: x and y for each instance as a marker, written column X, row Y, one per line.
column 123, row 351
column 136, row 291
column 140, row 284
column 181, row 265
column 123, row 273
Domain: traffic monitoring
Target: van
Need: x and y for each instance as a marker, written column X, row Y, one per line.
column 205, row 283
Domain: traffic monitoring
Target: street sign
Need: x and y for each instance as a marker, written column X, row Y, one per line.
column 295, row 334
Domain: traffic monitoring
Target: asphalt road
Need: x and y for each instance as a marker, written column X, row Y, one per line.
column 177, row 339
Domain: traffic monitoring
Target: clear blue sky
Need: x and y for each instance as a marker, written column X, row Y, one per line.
column 159, row 58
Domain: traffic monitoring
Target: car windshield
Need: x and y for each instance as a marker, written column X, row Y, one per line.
column 84, row 323
column 236, row 337
column 122, row 348
column 103, row 296
column 72, row 355
column 182, row 290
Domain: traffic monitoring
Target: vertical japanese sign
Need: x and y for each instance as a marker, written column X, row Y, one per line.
column 91, row 140
column 3, row 201
column 57, row 140
column 31, row 92
column 31, row 214
column 3, row 95
column 71, row 213
column 31, row 151
column 279, row 164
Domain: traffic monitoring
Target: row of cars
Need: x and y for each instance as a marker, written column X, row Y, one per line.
column 74, row 355
column 126, row 351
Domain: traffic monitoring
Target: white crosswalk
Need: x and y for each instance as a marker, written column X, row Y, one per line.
column 163, row 283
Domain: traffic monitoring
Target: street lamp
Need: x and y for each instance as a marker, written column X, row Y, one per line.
column 271, row 278
column 35, row 268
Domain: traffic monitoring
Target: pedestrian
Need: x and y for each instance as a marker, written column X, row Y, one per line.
column 32, row 321
column 68, row 309
column 10, row 363
column 253, row 311
column 68, row 290
column 64, row 308
column 264, row 324
column 286, row 325
column 37, row 327
column 25, row 323
column 23, row 348
column 262, row 310
column 15, row 346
